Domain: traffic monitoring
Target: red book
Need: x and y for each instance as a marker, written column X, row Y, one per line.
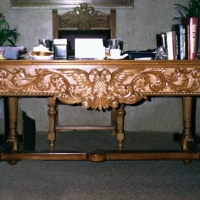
column 192, row 23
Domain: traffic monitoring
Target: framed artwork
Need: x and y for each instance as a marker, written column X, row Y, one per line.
column 70, row 3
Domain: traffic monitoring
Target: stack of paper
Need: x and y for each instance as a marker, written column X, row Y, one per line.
column 89, row 48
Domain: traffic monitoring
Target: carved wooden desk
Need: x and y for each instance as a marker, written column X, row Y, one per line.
column 100, row 84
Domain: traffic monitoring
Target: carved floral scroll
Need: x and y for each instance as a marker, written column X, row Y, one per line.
column 99, row 89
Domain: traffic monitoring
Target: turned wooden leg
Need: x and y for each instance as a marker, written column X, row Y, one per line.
column 52, row 118
column 120, row 122
column 114, row 120
column 12, row 123
column 187, row 123
column 13, row 110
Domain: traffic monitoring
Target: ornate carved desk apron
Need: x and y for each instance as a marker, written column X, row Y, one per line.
column 100, row 84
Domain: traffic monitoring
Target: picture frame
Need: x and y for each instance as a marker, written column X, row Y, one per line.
column 70, row 3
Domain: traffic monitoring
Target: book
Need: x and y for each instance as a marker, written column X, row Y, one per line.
column 198, row 35
column 181, row 40
column 192, row 23
column 171, row 45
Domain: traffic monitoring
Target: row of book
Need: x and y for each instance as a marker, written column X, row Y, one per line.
column 183, row 40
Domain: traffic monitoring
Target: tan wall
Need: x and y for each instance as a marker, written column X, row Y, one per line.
column 137, row 28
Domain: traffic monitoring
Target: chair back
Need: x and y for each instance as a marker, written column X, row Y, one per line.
column 83, row 22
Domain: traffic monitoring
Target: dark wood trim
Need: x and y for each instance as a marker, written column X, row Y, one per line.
column 100, row 156
column 72, row 3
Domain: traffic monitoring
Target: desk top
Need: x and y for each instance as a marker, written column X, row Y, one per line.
column 101, row 62
column 99, row 83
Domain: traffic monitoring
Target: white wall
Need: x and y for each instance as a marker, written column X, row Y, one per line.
column 137, row 28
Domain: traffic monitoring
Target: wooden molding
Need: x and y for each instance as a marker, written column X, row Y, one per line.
column 96, row 84
column 72, row 3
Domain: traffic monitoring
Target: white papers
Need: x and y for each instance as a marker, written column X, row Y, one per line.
column 89, row 48
column 60, row 41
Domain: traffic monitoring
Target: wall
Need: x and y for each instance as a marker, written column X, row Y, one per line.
column 137, row 28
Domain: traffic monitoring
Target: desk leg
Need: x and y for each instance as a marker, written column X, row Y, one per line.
column 187, row 124
column 13, row 110
column 52, row 118
column 120, row 122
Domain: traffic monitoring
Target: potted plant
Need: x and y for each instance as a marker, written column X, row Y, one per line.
column 191, row 10
column 7, row 36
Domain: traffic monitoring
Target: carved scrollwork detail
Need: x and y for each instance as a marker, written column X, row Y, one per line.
column 100, row 89
column 19, row 80
column 184, row 80
column 84, row 17
column 169, row 80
